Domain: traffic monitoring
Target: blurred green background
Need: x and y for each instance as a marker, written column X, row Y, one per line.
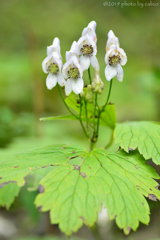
column 27, row 27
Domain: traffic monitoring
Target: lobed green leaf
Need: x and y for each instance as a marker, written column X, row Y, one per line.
column 142, row 135
column 7, row 194
column 81, row 182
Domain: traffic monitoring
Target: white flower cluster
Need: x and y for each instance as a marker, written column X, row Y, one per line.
column 78, row 59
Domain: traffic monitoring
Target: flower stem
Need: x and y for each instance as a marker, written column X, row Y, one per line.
column 92, row 146
column 86, row 116
column 110, row 87
column 84, row 130
column 89, row 74
column 66, row 103
column 100, row 111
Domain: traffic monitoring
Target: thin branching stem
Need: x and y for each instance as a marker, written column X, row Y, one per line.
column 80, row 119
column 66, row 103
column 110, row 87
column 86, row 113
column 100, row 111
column 89, row 74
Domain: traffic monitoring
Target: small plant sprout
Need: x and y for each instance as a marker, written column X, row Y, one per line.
column 78, row 182
column 52, row 65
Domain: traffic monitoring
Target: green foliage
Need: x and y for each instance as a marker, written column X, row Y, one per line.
column 7, row 194
column 142, row 135
column 80, row 182
column 6, row 126
column 108, row 117
column 47, row 238
column 11, row 126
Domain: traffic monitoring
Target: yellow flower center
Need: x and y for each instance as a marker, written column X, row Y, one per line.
column 53, row 68
column 73, row 73
column 114, row 60
column 87, row 49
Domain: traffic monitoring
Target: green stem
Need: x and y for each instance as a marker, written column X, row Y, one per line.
column 92, row 146
column 89, row 74
column 86, row 116
column 65, row 103
column 110, row 87
column 95, row 112
column 99, row 115
column 84, row 130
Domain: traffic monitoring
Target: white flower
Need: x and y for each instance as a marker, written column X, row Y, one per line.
column 88, row 49
column 52, row 65
column 114, row 58
column 90, row 29
column 72, row 71
column 73, row 51
column 55, row 47
column 112, row 40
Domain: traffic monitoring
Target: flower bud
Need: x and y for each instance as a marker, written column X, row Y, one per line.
column 97, row 84
column 89, row 95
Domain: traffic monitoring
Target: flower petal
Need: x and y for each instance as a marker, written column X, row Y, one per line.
column 119, row 73
column 61, row 80
column 85, row 62
column 92, row 25
column 123, row 56
column 68, row 87
column 111, row 34
column 94, row 62
column 110, row 72
column 45, row 64
column 77, row 85
column 56, row 44
column 51, row 81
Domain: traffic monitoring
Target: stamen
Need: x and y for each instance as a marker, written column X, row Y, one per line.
column 87, row 50
column 53, row 68
column 113, row 60
column 74, row 73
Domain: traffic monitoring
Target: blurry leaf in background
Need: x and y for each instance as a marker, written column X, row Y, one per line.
column 7, row 194
column 48, row 238
column 6, row 126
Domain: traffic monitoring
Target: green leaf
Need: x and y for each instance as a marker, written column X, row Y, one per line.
column 108, row 117
column 7, row 194
column 75, row 190
column 36, row 176
column 20, row 166
column 47, row 238
column 64, row 117
column 142, row 135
